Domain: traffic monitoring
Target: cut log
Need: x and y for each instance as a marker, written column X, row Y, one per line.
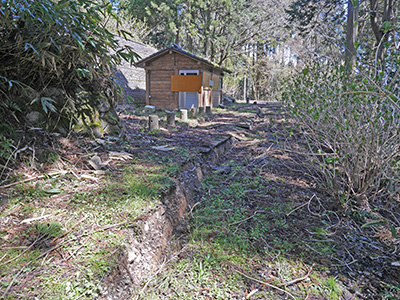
column 153, row 122
column 193, row 113
column 184, row 115
column 171, row 118
column 208, row 110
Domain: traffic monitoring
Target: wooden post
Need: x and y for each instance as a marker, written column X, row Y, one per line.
column 147, row 87
column 245, row 90
column 184, row 115
column 208, row 110
column 201, row 110
column 153, row 122
column 193, row 113
column 171, row 118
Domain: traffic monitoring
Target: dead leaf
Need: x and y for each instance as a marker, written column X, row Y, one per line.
column 88, row 177
column 121, row 155
column 163, row 148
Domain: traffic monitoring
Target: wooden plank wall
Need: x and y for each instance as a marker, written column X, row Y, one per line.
column 216, row 97
column 160, row 89
column 159, row 73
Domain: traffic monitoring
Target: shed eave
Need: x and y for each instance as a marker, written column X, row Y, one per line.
column 141, row 63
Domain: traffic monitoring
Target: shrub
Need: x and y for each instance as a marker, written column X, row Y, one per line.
column 352, row 126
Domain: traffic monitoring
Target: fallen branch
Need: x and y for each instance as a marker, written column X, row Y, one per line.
column 34, row 219
column 71, row 255
column 26, row 249
column 298, row 207
column 8, row 160
column 113, row 225
column 22, row 181
column 265, row 283
column 15, row 278
column 192, row 208
column 34, row 178
column 143, row 217
column 49, row 251
column 304, row 204
column 68, row 231
column 294, row 281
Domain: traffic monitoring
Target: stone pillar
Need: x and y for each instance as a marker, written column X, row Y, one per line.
column 153, row 122
column 208, row 110
column 184, row 115
column 171, row 118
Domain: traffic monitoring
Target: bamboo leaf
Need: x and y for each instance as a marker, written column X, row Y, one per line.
column 393, row 230
column 54, row 191
column 374, row 223
column 28, row 45
column 47, row 104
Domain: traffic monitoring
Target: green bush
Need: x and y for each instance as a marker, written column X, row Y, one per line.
column 56, row 58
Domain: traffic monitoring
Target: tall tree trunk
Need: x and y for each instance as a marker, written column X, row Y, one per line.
column 351, row 32
column 177, row 37
column 245, row 89
column 189, row 42
column 380, row 35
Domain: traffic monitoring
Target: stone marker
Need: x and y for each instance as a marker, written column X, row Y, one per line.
column 153, row 122
column 149, row 109
column 184, row 115
column 201, row 110
column 208, row 110
column 193, row 113
column 171, row 118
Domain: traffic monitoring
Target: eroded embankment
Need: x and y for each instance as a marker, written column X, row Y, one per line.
column 149, row 238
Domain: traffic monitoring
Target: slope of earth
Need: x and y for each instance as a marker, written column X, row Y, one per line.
column 258, row 226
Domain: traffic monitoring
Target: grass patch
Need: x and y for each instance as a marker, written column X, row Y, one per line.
column 88, row 224
column 234, row 229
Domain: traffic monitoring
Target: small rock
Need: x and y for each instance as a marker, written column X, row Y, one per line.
column 131, row 256
column 149, row 109
column 33, row 117
column 224, row 169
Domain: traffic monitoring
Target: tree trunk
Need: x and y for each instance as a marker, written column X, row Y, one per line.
column 245, row 89
column 351, row 33
column 380, row 35
column 189, row 42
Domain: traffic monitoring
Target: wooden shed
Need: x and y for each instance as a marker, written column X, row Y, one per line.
column 178, row 79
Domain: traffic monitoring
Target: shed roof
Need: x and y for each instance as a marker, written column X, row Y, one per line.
column 175, row 48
